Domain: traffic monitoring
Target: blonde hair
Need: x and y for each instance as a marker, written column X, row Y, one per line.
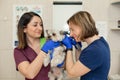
column 86, row 22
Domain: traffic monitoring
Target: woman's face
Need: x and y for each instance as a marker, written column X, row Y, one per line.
column 75, row 31
column 34, row 28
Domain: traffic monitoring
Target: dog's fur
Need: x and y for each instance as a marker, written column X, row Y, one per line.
column 58, row 55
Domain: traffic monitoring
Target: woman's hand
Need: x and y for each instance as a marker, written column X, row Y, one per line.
column 77, row 45
column 49, row 45
column 67, row 42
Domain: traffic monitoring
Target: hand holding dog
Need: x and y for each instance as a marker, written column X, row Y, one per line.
column 77, row 45
column 49, row 45
column 67, row 42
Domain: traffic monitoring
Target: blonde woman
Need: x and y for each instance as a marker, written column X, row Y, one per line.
column 94, row 60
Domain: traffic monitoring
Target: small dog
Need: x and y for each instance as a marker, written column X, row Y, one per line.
column 55, row 57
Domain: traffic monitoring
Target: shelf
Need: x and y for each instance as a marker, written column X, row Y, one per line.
column 115, row 29
column 115, row 1
column 115, row 10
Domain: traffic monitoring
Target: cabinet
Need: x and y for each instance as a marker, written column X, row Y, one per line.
column 114, row 14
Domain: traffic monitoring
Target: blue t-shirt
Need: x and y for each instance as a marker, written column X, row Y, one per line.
column 97, row 58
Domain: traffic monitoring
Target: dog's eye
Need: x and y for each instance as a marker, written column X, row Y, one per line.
column 53, row 34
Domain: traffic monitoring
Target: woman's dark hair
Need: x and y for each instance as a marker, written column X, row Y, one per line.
column 23, row 22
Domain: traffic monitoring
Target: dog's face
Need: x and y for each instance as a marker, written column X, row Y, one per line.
column 55, row 35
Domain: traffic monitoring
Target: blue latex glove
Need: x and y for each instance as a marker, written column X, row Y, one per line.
column 77, row 45
column 49, row 45
column 67, row 42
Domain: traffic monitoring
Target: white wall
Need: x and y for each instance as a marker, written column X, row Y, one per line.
column 101, row 10
column 61, row 14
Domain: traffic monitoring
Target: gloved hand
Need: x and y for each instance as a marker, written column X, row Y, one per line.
column 49, row 45
column 67, row 42
column 77, row 45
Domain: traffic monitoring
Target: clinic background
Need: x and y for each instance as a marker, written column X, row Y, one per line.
column 101, row 10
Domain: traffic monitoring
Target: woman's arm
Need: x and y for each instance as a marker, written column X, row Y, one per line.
column 30, row 70
column 76, row 69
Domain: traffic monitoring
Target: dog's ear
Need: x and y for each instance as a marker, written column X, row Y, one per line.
column 48, row 35
column 61, row 32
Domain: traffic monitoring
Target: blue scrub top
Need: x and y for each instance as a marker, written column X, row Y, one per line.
column 97, row 58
